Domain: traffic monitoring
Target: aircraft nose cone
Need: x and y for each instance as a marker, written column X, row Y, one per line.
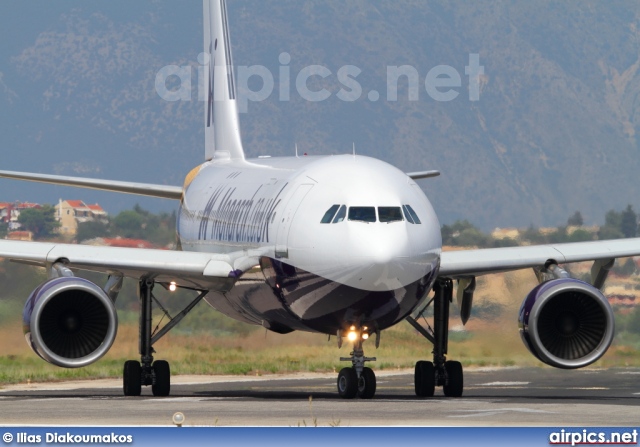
column 386, row 251
column 384, row 258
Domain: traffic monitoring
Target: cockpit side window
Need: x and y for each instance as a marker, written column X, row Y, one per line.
column 389, row 214
column 328, row 216
column 342, row 212
column 362, row 213
column 410, row 214
column 407, row 215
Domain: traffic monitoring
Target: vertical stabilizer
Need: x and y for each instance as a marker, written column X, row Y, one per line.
column 222, row 125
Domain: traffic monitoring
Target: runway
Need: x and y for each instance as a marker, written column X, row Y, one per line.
column 492, row 397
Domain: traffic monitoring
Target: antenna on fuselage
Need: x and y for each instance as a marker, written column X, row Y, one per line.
column 296, row 150
column 354, row 149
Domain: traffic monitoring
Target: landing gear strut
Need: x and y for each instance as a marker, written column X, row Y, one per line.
column 440, row 372
column 149, row 372
column 357, row 380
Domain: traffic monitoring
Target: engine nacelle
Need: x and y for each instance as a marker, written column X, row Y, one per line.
column 566, row 323
column 70, row 322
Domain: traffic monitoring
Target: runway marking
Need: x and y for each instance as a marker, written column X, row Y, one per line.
column 413, row 401
column 504, row 384
column 154, row 400
column 495, row 411
column 592, row 388
column 493, row 368
column 634, row 373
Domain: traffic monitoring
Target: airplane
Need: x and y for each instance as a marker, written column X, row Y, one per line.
column 343, row 245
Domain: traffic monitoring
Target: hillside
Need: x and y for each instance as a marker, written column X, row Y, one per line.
column 554, row 130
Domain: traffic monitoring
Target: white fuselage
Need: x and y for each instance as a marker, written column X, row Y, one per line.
column 268, row 212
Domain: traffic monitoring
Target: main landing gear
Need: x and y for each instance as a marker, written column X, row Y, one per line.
column 440, row 372
column 149, row 372
column 357, row 380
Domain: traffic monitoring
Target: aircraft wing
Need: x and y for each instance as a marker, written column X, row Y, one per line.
column 203, row 271
column 143, row 189
column 423, row 174
column 492, row 260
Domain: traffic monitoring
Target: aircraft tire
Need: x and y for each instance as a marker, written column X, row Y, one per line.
column 162, row 385
column 455, row 382
column 367, row 384
column 347, row 383
column 425, row 379
column 132, row 378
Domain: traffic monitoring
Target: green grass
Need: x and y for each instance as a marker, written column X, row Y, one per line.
column 257, row 352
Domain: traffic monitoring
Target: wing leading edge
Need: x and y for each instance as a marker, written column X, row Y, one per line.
column 188, row 269
column 492, row 260
column 143, row 189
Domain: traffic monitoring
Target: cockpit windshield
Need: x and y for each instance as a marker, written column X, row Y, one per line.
column 386, row 214
column 389, row 214
column 362, row 213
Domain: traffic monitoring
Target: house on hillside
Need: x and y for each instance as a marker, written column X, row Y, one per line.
column 504, row 233
column 20, row 236
column 120, row 242
column 72, row 212
column 5, row 212
column 10, row 212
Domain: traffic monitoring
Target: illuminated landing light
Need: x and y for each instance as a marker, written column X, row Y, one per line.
column 352, row 336
column 172, row 286
column 365, row 336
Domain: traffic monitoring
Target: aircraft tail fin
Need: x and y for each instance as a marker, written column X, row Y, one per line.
column 221, row 120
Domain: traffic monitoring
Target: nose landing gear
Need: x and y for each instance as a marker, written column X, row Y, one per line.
column 357, row 380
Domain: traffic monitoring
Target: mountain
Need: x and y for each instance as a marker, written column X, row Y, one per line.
column 553, row 131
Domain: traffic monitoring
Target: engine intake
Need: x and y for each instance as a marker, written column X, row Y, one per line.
column 70, row 322
column 566, row 323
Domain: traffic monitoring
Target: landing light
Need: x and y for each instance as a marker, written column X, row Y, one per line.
column 365, row 336
column 172, row 286
column 352, row 335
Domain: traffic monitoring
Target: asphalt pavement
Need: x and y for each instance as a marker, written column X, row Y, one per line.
column 492, row 397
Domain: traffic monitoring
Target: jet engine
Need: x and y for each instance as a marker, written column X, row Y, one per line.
column 69, row 322
column 566, row 323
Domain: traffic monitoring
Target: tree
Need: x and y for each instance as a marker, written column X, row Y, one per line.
column 4, row 228
column 40, row 221
column 612, row 226
column 533, row 236
column 579, row 236
column 576, row 220
column 629, row 222
column 608, row 232
column 505, row 242
column 628, row 268
column 559, row 236
column 472, row 237
column 91, row 230
column 613, row 219
column 129, row 224
column 464, row 233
